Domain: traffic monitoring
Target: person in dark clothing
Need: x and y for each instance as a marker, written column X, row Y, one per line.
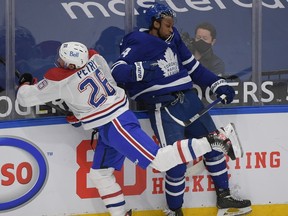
column 201, row 47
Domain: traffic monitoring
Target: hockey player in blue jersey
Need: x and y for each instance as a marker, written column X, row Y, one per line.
column 158, row 70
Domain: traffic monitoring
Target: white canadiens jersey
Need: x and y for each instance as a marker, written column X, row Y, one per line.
column 90, row 92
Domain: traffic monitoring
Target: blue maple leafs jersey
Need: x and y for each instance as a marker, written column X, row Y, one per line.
column 177, row 68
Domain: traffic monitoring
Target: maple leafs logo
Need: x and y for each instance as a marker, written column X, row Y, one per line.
column 170, row 64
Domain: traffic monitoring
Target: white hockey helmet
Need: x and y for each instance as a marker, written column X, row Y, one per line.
column 74, row 53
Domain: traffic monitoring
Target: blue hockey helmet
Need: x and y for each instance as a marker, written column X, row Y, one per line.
column 158, row 11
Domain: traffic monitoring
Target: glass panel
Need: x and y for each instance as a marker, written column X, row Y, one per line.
column 102, row 24
column 99, row 25
column 3, row 101
column 274, row 53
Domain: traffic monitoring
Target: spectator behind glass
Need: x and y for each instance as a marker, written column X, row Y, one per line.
column 201, row 47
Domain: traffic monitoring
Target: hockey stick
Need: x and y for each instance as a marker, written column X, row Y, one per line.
column 17, row 73
column 198, row 115
column 50, row 104
column 3, row 62
column 234, row 211
column 56, row 107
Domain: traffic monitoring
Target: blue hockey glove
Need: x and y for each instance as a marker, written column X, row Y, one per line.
column 27, row 78
column 145, row 71
column 221, row 87
column 72, row 120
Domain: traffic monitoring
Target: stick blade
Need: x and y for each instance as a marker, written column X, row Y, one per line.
column 234, row 211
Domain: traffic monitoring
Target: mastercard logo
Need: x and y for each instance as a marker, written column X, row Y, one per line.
column 23, row 172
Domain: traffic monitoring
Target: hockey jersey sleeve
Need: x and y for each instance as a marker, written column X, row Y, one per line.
column 137, row 59
column 121, row 71
column 40, row 93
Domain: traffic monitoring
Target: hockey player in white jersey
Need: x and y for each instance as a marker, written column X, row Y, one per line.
column 83, row 80
column 158, row 71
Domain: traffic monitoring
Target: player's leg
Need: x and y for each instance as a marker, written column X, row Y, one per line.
column 110, row 192
column 134, row 143
column 216, row 165
column 125, row 135
column 215, row 161
column 104, row 180
column 181, row 152
column 168, row 132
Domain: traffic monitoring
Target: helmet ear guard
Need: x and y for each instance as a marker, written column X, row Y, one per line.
column 74, row 53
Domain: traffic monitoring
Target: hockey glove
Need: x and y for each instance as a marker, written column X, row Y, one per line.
column 72, row 120
column 27, row 78
column 221, row 87
column 145, row 71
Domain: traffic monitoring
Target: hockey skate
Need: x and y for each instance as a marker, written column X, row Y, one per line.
column 230, row 206
column 129, row 213
column 226, row 140
column 177, row 212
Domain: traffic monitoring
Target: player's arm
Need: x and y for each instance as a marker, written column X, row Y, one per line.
column 201, row 75
column 31, row 94
column 218, row 85
column 146, row 71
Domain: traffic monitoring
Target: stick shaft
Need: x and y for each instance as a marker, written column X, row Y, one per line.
column 65, row 112
column 17, row 73
column 205, row 110
column 198, row 115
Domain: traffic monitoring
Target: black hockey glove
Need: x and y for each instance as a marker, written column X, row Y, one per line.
column 221, row 87
column 145, row 71
column 26, row 77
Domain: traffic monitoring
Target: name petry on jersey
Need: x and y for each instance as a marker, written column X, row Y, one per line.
column 90, row 92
